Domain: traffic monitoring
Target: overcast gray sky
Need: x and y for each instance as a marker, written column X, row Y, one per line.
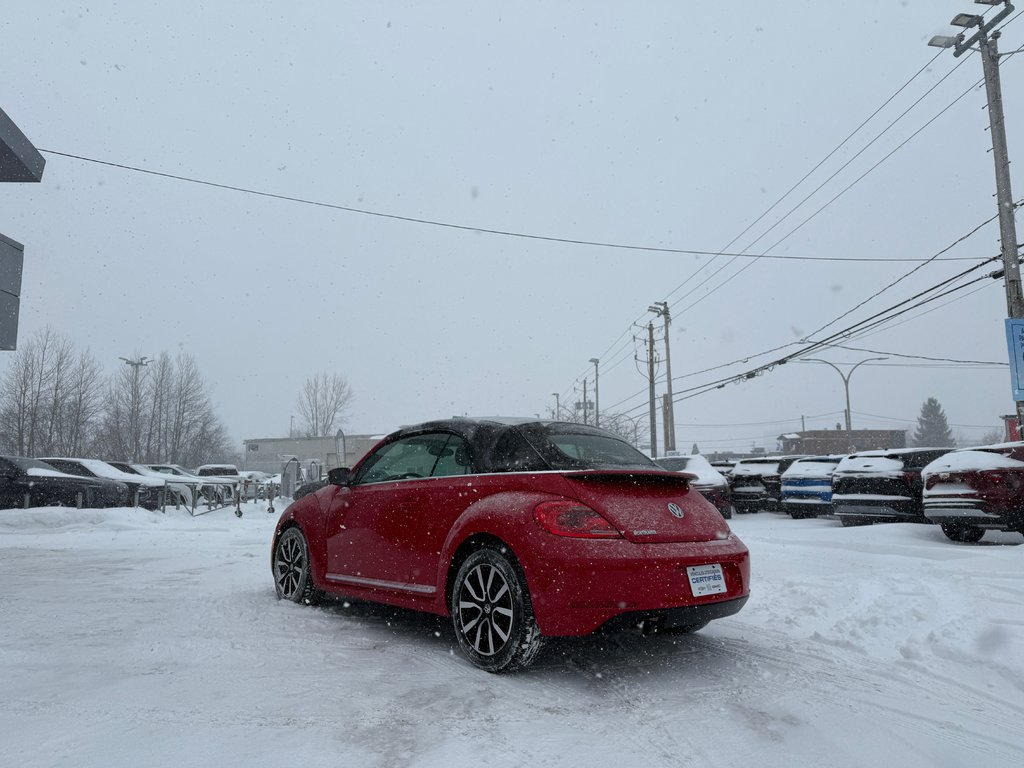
column 663, row 124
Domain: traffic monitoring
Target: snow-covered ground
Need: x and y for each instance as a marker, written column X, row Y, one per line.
column 130, row 638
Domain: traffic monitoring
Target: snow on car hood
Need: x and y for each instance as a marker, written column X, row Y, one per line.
column 823, row 469
column 758, row 468
column 706, row 475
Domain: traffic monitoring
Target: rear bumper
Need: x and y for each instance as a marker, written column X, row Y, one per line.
column 675, row 618
column 576, row 592
column 974, row 514
column 806, row 506
column 876, row 511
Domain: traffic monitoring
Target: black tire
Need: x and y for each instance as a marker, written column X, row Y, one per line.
column 726, row 513
column 492, row 613
column 967, row 534
column 292, row 569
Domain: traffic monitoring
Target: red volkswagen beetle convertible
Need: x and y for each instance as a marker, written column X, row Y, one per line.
column 517, row 531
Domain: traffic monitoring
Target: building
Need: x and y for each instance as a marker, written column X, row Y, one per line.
column 269, row 454
column 19, row 162
column 823, row 442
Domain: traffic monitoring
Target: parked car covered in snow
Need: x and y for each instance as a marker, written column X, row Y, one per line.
column 711, row 483
column 973, row 490
column 755, row 484
column 881, row 486
column 517, row 531
column 807, row 486
column 32, row 483
column 175, row 492
column 143, row 491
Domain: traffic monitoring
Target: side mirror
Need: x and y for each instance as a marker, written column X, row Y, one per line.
column 339, row 475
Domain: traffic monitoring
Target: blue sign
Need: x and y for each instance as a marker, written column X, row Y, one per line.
column 1015, row 344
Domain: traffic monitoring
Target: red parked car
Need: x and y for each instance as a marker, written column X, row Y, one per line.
column 976, row 489
column 517, row 531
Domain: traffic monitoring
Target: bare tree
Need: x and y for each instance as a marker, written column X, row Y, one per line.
column 81, row 407
column 323, row 403
column 50, row 396
column 176, row 420
column 629, row 428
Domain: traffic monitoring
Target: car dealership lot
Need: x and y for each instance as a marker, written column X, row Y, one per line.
column 130, row 637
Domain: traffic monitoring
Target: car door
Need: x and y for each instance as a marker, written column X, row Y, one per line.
column 375, row 536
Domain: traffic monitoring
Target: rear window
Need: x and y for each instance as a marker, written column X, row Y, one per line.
column 213, row 471
column 585, row 449
column 918, row 459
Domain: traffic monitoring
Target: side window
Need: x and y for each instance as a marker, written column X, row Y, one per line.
column 405, row 459
column 512, row 453
column 453, row 459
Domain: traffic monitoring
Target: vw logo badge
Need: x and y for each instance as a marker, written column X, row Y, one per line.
column 676, row 510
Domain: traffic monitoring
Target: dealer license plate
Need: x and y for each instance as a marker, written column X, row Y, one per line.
column 706, row 579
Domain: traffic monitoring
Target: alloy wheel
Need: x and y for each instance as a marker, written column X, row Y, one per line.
column 486, row 609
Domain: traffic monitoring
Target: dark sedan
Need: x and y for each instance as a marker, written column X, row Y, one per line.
column 31, row 483
column 517, row 531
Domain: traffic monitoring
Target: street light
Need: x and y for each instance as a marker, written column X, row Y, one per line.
column 136, row 406
column 597, row 399
column 987, row 38
column 846, row 386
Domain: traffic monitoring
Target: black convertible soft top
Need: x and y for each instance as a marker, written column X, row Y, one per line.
column 516, row 445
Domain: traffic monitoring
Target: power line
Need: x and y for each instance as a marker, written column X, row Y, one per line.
column 466, row 227
column 916, row 357
column 842, row 192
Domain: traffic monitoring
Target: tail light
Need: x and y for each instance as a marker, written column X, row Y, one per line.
column 992, row 479
column 570, row 518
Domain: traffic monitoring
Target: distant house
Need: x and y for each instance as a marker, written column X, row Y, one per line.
column 1011, row 430
column 838, row 441
column 268, row 454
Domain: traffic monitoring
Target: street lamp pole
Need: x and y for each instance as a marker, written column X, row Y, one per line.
column 988, row 48
column 136, row 406
column 597, row 399
column 558, row 408
column 846, row 386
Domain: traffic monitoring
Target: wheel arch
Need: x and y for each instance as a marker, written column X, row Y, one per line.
column 467, row 547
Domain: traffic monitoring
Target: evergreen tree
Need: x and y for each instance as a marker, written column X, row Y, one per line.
column 932, row 428
column 695, row 450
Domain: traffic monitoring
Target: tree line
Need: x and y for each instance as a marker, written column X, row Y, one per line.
column 58, row 401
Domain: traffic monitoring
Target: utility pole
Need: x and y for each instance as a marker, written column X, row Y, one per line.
column 597, row 399
column 661, row 308
column 988, row 48
column 585, row 419
column 558, row 409
column 135, row 411
column 650, row 380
